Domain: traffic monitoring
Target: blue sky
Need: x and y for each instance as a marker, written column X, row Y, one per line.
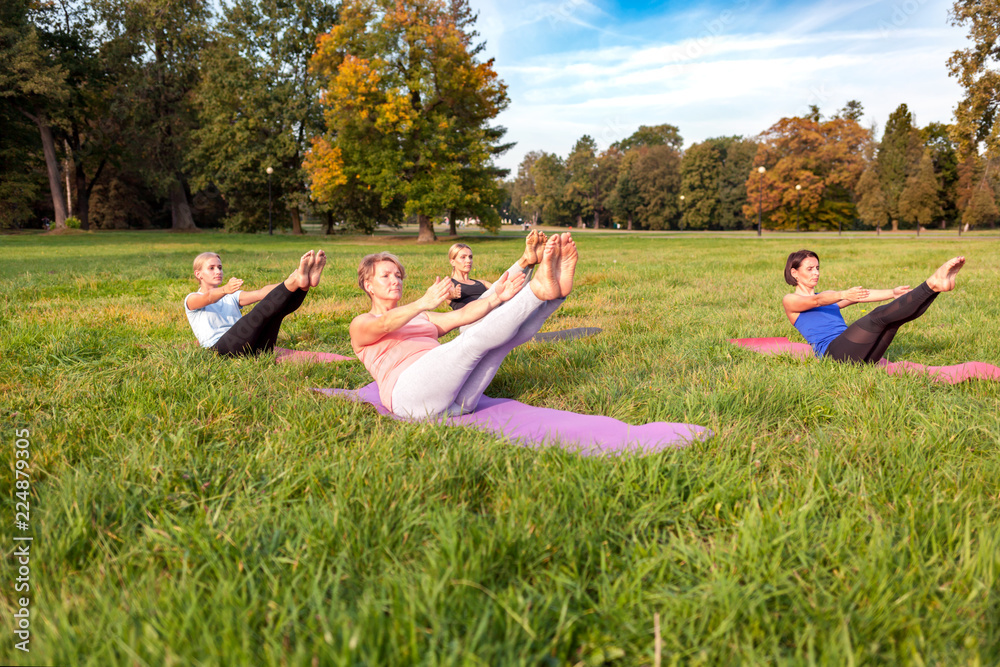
column 576, row 67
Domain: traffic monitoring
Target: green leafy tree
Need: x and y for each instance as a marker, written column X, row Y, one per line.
column 34, row 86
column 938, row 142
column 258, row 107
column 652, row 135
column 407, row 109
column 701, row 169
column 872, row 208
column 853, row 110
column 658, row 177
column 982, row 209
column 919, row 202
column 897, row 158
column 581, row 180
column 550, row 176
column 739, row 157
column 626, row 198
column 976, row 116
column 525, row 202
column 156, row 48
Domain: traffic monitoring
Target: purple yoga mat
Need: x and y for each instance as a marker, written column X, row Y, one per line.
column 969, row 370
column 589, row 435
column 284, row 354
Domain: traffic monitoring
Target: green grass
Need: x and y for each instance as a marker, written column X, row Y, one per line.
column 193, row 510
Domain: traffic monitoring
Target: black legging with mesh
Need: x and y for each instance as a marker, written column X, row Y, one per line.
column 867, row 339
column 257, row 331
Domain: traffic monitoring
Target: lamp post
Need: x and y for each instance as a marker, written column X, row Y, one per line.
column 682, row 213
column 760, row 194
column 270, row 229
column 798, row 205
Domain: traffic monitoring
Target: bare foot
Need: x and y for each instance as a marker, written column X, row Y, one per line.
column 300, row 277
column 943, row 279
column 319, row 263
column 567, row 264
column 545, row 282
column 534, row 245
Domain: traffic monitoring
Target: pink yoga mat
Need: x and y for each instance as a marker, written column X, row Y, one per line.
column 588, row 435
column 284, row 354
column 950, row 374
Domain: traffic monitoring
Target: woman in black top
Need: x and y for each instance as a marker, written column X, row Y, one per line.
column 466, row 290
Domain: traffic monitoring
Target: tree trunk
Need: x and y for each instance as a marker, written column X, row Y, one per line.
column 52, row 166
column 296, row 220
column 451, row 223
column 579, row 221
column 180, row 212
column 82, row 198
column 329, row 222
column 895, row 225
column 597, row 220
column 426, row 234
column 630, row 220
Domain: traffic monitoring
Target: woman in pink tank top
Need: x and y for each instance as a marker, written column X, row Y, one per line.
column 417, row 376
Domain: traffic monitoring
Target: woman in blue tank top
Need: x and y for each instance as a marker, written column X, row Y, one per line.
column 817, row 314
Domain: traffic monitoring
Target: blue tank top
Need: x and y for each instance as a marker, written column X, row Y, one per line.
column 820, row 325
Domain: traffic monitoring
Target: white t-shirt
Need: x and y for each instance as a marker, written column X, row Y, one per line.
column 215, row 319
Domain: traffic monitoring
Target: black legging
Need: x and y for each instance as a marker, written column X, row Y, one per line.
column 258, row 331
column 867, row 339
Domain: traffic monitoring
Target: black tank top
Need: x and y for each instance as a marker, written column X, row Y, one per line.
column 469, row 293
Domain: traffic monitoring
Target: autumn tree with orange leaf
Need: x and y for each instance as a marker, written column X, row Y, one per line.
column 407, row 107
column 825, row 158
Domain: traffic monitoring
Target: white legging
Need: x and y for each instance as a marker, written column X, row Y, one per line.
column 451, row 378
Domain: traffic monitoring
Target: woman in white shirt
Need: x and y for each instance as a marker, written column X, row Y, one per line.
column 214, row 310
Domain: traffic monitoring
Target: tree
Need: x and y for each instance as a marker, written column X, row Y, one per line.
column 937, row 141
column 853, row 110
column 625, row 199
column 898, row 155
column 549, row 174
column 33, row 85
column 919, row 202
column 581, row 180
column 982, row 209
column 976, row 116
column 652, row 135
column 713, row 182
column 823, row 157
column 524, row 198
column 407, row 107
column 258, row 107
column 658, row 178
column 701, row 169
column 872, row 208
column 156, row 47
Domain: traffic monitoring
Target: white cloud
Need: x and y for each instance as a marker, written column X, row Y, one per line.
column 715, row 78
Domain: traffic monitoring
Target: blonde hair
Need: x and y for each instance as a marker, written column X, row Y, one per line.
column 453, row 250
column 199, row 261
column 367, row 268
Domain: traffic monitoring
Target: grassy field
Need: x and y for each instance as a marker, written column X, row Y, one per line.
column 188, row 510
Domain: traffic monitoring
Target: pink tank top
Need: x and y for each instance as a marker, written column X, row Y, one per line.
column 394, row 352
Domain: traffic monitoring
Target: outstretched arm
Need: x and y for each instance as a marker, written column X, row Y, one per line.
column 878, row 295
column 366, row 329
column 198, row 300
column 799, row 303
column 504, row 289
column 246, row 298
